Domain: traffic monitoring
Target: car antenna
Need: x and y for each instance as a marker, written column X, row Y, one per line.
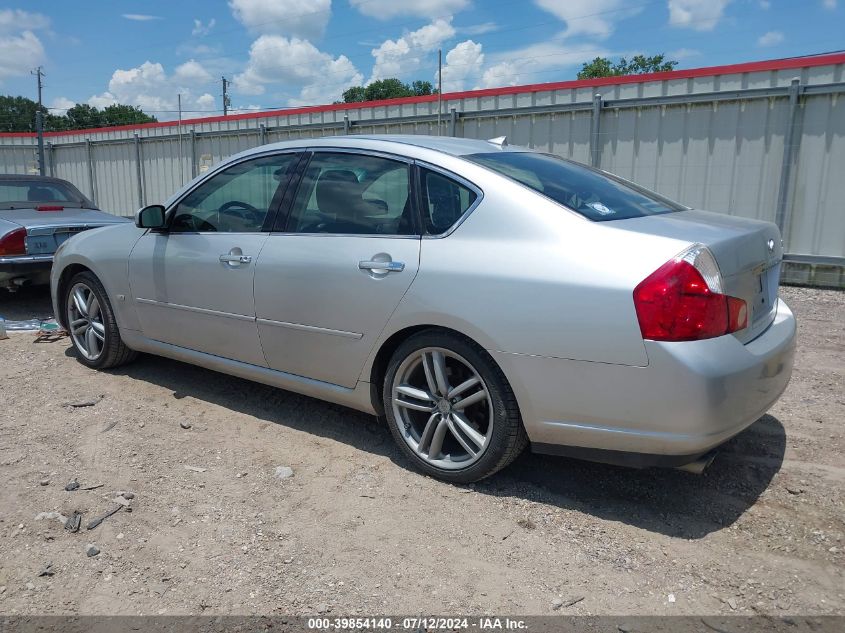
column 501, row 141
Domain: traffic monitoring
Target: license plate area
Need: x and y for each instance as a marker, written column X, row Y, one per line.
column 767, row 293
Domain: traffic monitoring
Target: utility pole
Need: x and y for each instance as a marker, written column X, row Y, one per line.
column 439, row 87
column 226, row 101
column 181, row 157
column 39, row 123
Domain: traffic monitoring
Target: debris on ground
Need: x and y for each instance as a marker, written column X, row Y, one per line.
column 196, row 469
column 50, row 333
column 121, row 500
column 283, row 472
column 185, row 424
column 74, row 522
column 73, row 485
column 45, row 482
column 47, row 571
column 95, row 522
column 58, row 516
column 109, row 426
column 79, row 404
column 91, row 550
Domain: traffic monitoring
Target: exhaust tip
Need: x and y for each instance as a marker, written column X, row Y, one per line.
column 697, row 467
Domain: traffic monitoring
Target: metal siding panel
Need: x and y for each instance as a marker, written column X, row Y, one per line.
column 818, row 220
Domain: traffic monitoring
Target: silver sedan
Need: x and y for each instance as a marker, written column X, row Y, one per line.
column 479, row 296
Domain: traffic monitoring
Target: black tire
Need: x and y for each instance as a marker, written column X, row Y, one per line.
column 508, row 438
column 114, row 351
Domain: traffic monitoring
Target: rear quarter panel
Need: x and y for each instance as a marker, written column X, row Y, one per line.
column 524, row 275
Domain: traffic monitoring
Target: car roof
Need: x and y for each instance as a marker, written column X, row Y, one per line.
column 444, row 144
column 31, row 178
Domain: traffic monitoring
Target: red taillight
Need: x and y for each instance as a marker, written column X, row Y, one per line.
column 13, row 243
column 676, row 303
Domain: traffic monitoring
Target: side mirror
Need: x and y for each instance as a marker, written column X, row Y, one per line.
column 151, row 217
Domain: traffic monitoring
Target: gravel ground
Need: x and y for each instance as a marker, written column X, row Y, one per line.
column 213, row 530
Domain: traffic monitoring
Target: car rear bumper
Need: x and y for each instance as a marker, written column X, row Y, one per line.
column 690, row 398
column 24, row 265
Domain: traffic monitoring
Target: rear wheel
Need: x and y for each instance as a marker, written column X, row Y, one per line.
column 450, row 408
column 92, row 326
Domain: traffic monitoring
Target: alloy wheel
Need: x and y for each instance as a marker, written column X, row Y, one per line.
column 85, row 321
column 442, row 407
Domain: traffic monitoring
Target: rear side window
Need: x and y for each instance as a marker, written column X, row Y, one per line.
column 591, row 193
column 444, row 201
column 353, row 194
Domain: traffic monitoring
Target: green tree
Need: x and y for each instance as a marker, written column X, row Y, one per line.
column 83, row 116
column 118, row 114
column 17, row 114
column 639, row 65
column 391, row 88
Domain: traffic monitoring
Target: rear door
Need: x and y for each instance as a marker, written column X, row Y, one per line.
column 193, row 283
column 334, row 271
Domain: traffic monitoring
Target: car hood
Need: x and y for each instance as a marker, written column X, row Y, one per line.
column 69, row 216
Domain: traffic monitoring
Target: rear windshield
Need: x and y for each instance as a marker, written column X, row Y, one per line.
column 591, row 193
column 36, row 191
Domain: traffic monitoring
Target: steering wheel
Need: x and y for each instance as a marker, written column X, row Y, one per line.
column 188, row 223
column 237, row 204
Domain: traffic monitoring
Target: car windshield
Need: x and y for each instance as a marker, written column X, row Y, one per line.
column 29, row 192
column 593, row 194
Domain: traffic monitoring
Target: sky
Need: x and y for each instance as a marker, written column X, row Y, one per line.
column 284, row 53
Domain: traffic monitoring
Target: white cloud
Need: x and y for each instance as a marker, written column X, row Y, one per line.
column 829, row 4
column 683, row 53
column 405, row 55
column 538, row 63
column 772, row 38
column 141, row 17
column 588, row 17
column 298, row 18
column 191, row 73
column 149, row 87
column 463, row 63
column 700, row 15
column 203, row 29
column 15, row 20
column 20, row 48
column 765, row 5
column 61, row 104
column 478, row 29
column 387, row 9
column 298, row 64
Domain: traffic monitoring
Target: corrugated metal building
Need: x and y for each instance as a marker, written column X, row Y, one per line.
column 763, row 140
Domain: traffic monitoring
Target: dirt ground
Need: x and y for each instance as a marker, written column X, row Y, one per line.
column 355, row 531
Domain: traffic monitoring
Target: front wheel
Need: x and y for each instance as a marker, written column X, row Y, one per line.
column 92, row 326
column 450, row 408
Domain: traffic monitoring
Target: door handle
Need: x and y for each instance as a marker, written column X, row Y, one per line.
column 391, row 267
column 235, row 259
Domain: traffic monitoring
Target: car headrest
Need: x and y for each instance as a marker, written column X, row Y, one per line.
column 338, row 193
column 39, row 194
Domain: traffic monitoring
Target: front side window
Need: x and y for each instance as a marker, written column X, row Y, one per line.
column 591, row 193
column 237, row 199
column 444, row 201
column 353, row 194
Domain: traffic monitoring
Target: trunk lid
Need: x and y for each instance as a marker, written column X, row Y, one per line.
column 46, row 230
column 748, row 252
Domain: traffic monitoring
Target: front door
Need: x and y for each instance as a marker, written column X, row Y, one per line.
column 326, row 286
column 192, row 284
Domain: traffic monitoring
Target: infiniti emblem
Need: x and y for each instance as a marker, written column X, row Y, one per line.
column 771, row 245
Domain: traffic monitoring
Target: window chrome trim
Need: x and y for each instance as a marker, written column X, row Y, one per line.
column 461, row 181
